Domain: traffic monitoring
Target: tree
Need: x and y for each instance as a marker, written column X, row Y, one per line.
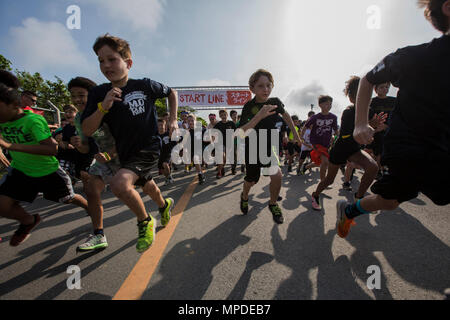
column 5, row 64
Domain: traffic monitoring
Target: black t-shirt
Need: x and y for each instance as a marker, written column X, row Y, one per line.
column 385, row 105
column 250, row 109
column 223, row 127
column 419, row 121
column 166, row 143
column 132, row 121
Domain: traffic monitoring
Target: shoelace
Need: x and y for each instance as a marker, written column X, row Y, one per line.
column 142, row 227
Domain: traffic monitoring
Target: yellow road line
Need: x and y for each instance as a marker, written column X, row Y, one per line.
column 136, row 283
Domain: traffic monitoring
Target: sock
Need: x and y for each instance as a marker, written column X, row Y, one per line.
column 165, row 206
column 146, row 219
column 354, row 210
column 99, row 231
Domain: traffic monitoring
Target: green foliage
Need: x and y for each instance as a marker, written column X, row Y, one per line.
column 5, row 64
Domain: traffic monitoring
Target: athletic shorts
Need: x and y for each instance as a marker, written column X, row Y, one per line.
column 292, row 148
column 304, row 154
column 142, row 164
column 342, row 150
column 253, row 171
column 56, row 186
column 104, row 170
column 406, row 178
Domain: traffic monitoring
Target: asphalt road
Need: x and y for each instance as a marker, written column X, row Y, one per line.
column 216, row 253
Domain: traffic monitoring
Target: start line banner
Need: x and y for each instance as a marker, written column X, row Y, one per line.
column 213, row 98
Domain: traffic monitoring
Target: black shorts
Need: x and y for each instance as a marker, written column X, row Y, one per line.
column 304, row 154
column 56, row 186
column 342, row 150
column 292, row 148
column 406, row 178
column 142, row 164
column 377, row 144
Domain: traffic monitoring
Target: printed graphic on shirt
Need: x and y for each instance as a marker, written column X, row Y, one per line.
column 324, row 126
column 136, row 102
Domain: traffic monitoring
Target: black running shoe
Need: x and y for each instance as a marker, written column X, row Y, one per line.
column 244, row 205
column 276, row 213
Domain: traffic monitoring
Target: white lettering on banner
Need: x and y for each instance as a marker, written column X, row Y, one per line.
column 213, row 98
column 74, row 20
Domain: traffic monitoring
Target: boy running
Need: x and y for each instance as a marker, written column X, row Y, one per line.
column 223, row 126
column 127, row 106
column 260, row 113
column 166, row 151
column 34, row 167
column 418, row 129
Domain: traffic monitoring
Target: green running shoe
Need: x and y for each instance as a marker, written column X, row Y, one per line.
column 166, row 212
column 93, row 242
column 276, row 213
column 146, row 234
column 244, row 205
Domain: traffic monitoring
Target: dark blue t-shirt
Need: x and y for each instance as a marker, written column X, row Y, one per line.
column 132, row 121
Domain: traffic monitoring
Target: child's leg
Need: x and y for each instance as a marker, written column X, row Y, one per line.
column 95, row 207
column 275, row 187
column 122, row 185
column 376, row 202
column 79, row 201
column 348, row 173
column 153, row 191
column 166, row 169
column 329, row 179
column 11, row 209
column 323, row 167
column 246, row 190
column 199, row 169
column 370, row 168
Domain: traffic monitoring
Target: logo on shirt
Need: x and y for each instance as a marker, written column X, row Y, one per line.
column 136, row 102
column 379, row 67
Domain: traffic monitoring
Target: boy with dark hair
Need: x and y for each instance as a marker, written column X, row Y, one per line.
column 34, row 168
column 223, row 126
column 418, row 129
column 385, row 104
column 347, row 149
column 28, row 100
column 323, row 124
column 260, row 114
column 166, row 151
column 127, row 106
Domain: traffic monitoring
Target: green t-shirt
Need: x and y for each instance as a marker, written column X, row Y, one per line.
column 29, row 130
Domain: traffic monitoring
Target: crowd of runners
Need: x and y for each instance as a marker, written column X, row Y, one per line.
column 113, row 136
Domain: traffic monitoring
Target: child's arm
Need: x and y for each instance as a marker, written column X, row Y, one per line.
column 3, row 159
column 173, row 110
column 47, row 147
column 287, row 118
column 265, row 111
column 363, row 132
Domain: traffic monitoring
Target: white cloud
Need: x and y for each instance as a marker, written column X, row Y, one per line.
column 38, row 46
column 305, row 96
column 139, row 15
column 212, row 82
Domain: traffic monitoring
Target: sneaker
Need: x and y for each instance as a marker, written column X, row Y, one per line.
column 343, row 224
column 166, row 212
column 146, row 234
column 315, row 203
column 93, row 242
column 244, row 205
column 24, row 232
column 347, row 186
column 201, row 178
column 276, row 213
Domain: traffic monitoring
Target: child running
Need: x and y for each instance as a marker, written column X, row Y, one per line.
column 418, row 129
column 127, row 106
column 347, row 149
column 260, row 114
column 34, row 167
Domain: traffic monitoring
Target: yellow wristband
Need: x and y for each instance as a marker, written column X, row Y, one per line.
column 107, row 156
column 100, row 107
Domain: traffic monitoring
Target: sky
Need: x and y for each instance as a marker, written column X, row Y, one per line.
column 310, row 47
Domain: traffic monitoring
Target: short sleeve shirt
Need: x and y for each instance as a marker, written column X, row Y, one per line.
column 132, row 121
column 322, row 128
column 30, row 129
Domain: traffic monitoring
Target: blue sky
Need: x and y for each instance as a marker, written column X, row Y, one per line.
column 311, row 47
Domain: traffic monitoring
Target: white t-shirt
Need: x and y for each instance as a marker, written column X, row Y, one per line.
column 306, row 138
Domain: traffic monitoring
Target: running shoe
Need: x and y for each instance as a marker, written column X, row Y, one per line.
column 277, row 215
column 343, row 224
column 166, row 212
column 347, row 186
column 93, row 242
column 201, row 178
column 244, row 205
column 315, row 203
column 24, row 232
column 146, row 234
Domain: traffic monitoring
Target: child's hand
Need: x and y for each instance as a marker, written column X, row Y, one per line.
column 378, row 120
column 267, row 110
column 363, row 134
column 113, row 95
column 100, row 157
column 4, row 144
